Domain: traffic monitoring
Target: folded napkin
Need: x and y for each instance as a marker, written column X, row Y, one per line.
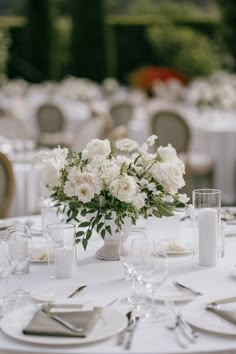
column 228, row 315
column 43, row 325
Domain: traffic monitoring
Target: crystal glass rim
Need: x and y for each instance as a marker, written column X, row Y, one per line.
column 59, row 225
column 206, row 191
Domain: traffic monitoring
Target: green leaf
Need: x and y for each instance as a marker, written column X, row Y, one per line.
column 84, row 243
column 103, row 233
column 88, row 234
column 83, row 212
column 84, row 224
column 108, row 228
column 79, row 233
column 99, row 227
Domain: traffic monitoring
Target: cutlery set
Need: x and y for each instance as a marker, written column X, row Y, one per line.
column 125, row 338
column 183, row 331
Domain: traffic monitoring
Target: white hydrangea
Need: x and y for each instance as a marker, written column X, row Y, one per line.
column 152, row 139
column 96, row 148
column 50, row 178
column 183, row 198
column 126, row 145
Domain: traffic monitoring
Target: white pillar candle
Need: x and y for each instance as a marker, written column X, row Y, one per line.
column 208, row 237
column 63, row 259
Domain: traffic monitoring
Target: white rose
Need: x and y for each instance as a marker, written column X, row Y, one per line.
column 169, row 176
column 167, row 153
column 124, row 188
column 85, row 192
column 183, row 198
column 96, row 148
column 139, row 200
column 110, row 170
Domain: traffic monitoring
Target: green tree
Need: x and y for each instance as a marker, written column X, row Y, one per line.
column 228, row 29
column 88, row 42
column 41, row 40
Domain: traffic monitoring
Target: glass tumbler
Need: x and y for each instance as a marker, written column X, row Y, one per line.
column 206, row 227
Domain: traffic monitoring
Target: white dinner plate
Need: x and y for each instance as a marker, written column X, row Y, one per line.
column 196, row 314
column 61, row 289
column 176, row 253
column 170, row 292
column 110, row 323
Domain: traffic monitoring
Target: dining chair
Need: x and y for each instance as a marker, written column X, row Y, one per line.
column 121, row 113
column 51, row 126
column 6, row 185
column 12, row 127
column 171, row 127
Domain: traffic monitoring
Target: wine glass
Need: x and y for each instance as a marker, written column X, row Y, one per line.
column 154, row 272
column 127, row 258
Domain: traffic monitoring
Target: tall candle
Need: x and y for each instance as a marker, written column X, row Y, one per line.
column 63, row 259
column 208, row 237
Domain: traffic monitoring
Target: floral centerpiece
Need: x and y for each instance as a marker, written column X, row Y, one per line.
column 107, row 179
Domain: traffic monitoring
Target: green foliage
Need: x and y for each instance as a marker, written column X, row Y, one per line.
column 41, row 38
column 228, row 28
column 184, row 50
column 88, row 44
column 4, row 45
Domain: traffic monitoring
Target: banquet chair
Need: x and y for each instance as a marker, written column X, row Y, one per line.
column 171, row 127
column 12, row 127
column 118, row 133
column 121, row 113
column 6, row 185
column 51, row 126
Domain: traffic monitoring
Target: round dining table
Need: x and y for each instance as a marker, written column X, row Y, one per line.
column 106, row 287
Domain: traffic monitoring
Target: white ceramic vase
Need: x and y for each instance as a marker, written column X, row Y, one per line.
column 110, row 249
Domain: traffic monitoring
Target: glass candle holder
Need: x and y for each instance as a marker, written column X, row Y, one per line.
column 206, row 227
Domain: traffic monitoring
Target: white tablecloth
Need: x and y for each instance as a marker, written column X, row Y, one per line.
column 150, row 337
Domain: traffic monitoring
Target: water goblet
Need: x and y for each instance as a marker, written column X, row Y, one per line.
column 126, row 250
column 154, row 273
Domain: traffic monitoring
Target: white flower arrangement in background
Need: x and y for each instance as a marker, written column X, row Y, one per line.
column 105, row 179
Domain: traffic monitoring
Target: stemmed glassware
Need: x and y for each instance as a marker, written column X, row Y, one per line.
column 128, row 252
column 153, row 272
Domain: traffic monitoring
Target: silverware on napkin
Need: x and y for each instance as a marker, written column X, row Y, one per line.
column 64, row 323
column 76, row 291
column 121, row 335
column 187, row 288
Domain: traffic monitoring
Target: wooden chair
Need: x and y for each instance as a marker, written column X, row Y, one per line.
column 6, row 185
column 171, row 127
column 51, row 126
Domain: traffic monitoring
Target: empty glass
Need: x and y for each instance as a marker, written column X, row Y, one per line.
column 20, row 250
column 49, row 215
column 127, row 257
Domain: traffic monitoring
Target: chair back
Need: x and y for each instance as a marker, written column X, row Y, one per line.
column 171, row 128
column 121, row 113
column 6, row 185
column 13, row 128
column 50, row 118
